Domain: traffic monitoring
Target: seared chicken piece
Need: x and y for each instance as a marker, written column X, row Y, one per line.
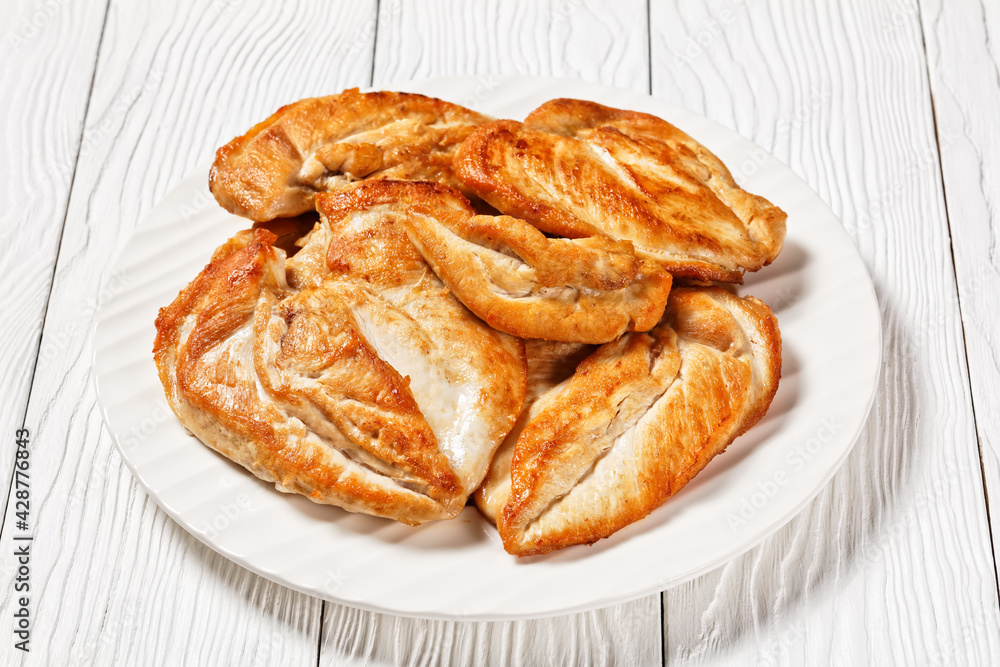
column 503, row 269
column 601, row 444
column 579, row 169
column 350, row 375
column 327, row 144
column 511, row 275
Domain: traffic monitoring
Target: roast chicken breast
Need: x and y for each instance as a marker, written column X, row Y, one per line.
column 605, row 440
column 580, row 169
column 348, row 373
column 521, row 282
column 329, row 143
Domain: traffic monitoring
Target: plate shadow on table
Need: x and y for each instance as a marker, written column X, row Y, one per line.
column 710, row 479
column 799, row 562
column 846, row 527
column 782, row 284
column 778, row 288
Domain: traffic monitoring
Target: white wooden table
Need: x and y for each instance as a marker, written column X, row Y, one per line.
column 889, row 109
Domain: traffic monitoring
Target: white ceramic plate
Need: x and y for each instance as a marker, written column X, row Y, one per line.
column 818, row 287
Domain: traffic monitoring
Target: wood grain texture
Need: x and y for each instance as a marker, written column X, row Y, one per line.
column 115, row 580
column 625, row 634
column 963, row 57
column 584, row 39
column 892, row 563
column 588, row 40
column 47, row 53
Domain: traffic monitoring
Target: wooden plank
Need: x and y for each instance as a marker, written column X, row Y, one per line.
column 626, row 634
column 964, row 60
column 588, row 40
column 584, row 39
column 48, row 54
column 892, row 563
column 115, row 581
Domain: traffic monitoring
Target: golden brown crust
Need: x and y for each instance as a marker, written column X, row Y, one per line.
column 363, row 371
column 366, row 385
column 634, row 423
column 380, row 252
column 578, row 169
column 329, row 143
column 518, row 281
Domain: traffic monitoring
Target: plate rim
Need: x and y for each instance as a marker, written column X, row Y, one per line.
column 593, row 603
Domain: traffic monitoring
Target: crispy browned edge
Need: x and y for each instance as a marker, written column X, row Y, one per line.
column 233, row 167
column 588, row 114
column 769, row 343
column 428, row 195
column 223, row 282
column 474, row 165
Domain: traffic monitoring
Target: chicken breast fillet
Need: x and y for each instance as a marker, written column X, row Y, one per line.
column 521, row 282
column 580, row 169
column 326, row 144
column 349, row 373
column 608, row 435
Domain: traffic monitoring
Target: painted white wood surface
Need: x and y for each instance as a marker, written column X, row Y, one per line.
column 625, row 634
column 592, row 40
column 892, row 564
column 115, row 580
column 964, row 64
column 48, row 55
